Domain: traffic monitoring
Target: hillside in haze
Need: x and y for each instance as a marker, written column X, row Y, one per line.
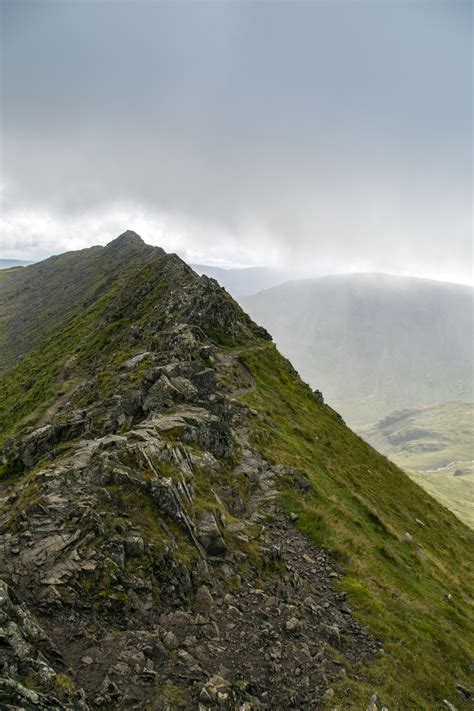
column 9, row 263
column 435, row 444
column 373, row 343
column 184, row 525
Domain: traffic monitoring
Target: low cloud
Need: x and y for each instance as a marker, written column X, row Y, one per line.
column 315, row 136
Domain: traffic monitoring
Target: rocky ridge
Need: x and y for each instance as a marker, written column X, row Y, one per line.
column 144, row 560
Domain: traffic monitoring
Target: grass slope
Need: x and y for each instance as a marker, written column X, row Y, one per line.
column 360, row 507
column 39, row 299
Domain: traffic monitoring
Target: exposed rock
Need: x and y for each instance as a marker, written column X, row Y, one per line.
column 210, row 536
column 449, row 705
column 204, row 597
column 134, row 545
column 170, row 640
column 318, row 396
column 466, row 694
column 373, row 703
column 136, row 360
column 292, row 624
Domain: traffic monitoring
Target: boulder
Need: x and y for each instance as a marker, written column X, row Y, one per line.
column 318, row 396
column 134, row 545
column 210, row 536
column 204, row 598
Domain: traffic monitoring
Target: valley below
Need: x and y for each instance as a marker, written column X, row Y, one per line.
column 435, row 446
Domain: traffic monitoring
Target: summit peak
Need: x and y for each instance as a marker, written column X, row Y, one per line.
column 129, row 237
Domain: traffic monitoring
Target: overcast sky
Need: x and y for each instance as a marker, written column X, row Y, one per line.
column 332, row 136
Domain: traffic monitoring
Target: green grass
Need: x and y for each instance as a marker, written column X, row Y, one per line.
column 95, row 336
column 28, row 388
column 454, row 492
column 41, row 298
column 359, row 507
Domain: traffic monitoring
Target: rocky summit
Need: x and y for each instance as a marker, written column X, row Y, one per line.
column 184, row 524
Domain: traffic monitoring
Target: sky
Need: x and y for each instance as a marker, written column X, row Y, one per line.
column 326, row 137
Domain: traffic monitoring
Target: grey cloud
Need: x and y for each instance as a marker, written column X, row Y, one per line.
column 335, row 133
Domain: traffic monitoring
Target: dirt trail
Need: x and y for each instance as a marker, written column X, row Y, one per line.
column 233, row 359
column 62, row 377
column 251, row 387
column 47, row 416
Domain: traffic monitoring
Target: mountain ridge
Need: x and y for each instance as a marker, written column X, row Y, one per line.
column 168, row 480
column 45, row 294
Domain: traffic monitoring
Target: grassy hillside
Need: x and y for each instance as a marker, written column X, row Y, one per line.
column 361, row 506
column 435, row 446
column 402, row 552
column 373, row 343
column 39, row 299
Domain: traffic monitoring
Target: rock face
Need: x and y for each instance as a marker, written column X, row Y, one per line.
column 139, row 568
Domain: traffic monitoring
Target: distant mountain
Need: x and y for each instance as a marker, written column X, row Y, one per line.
column 241, row 282
column 9, row 263
column 435, row 445
column 373, row 343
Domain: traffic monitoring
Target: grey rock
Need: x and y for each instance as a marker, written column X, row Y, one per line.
column 449, row 705
column 136, row 360
column 134, row 546
column 170, row 640
column 204, row 598
column 318, row 396
column 372, row 705
column 210, row 536
column 292, row 624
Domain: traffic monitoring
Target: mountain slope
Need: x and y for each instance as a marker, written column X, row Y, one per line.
column 41, row 297
column 435, row 445
column 182, row 520
column 373, row 343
